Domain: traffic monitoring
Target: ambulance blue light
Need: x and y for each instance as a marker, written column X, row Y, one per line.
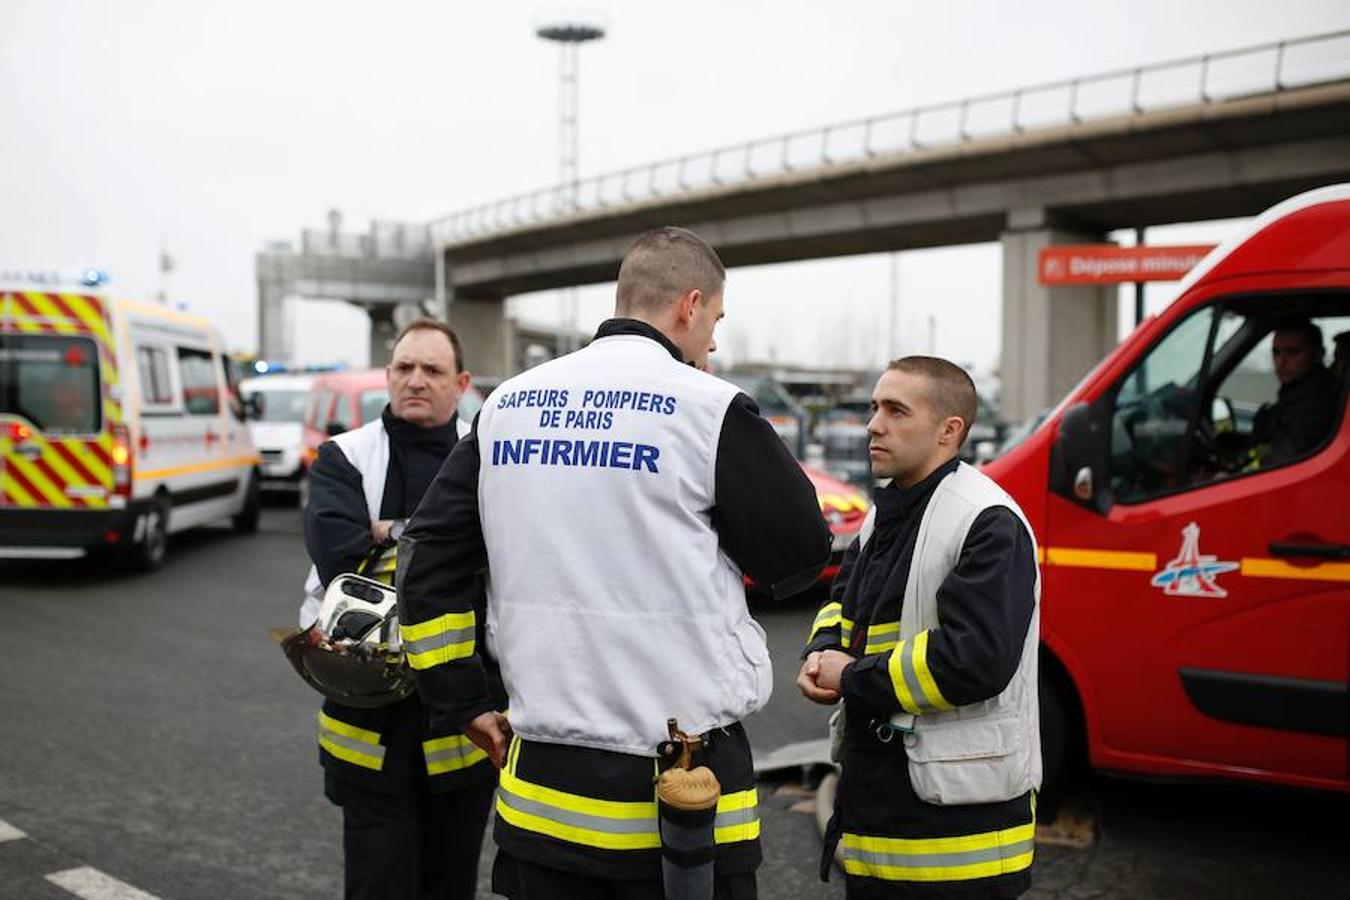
column 94, row 278
column 261, row 367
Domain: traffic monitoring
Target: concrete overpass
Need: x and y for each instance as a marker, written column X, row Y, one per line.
column 1221, row 135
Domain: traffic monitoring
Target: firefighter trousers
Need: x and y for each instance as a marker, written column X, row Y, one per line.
column 415, row 846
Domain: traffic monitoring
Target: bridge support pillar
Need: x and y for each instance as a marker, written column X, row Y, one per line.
column 1052, row 336
column 274, row 339
column 488, row 336
column 382, row 333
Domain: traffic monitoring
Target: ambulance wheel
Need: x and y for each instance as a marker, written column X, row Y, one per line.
column 148, row 553
column 246, row 520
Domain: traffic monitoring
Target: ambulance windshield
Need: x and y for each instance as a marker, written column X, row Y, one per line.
column 51, row 380
column 281, row 405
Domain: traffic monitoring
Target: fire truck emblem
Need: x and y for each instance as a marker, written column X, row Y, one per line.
column 1193, row 574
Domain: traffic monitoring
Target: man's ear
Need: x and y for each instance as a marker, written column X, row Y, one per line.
column 952, row 427
column 688, row 305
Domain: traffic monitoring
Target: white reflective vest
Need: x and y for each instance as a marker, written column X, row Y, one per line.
column 611, row 607
column 987, row 751
column 367, row 449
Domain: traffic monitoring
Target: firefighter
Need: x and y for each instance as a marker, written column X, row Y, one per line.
column 931, row 640
column 618, row 495
column 414, row 792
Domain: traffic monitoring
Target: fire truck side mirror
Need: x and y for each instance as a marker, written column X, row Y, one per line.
column 1078, row 460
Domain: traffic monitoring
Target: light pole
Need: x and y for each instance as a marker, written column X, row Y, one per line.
column 569, row 34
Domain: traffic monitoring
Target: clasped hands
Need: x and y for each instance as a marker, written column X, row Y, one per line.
column 819, row 678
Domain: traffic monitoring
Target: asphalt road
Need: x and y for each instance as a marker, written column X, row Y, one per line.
column 151, row 731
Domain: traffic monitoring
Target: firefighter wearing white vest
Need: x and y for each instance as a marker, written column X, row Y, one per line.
column 618, row 496
column 931, row 638
column 415, row 793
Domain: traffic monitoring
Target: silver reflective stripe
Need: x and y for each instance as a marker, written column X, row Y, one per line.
column 375, row 750
column 882, row 636
column 736, row 817
column 939, row 860
column 460, row 752
column 437, row 641
column 645, row 825
column 912, row 679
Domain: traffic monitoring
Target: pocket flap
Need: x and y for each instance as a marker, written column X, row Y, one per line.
column 968, row 739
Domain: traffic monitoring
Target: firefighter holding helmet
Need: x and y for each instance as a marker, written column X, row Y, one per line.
column 414, row 792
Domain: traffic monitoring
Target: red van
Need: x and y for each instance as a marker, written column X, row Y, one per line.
column 1196, row 583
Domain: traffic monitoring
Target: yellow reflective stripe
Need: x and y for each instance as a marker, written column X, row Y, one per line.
column 846, row 632
column 1101, row 559
column 606, row 809
column 882, row 636
column 1257, row 567
column 351, row 731
column 957, row 844
column 348, row 754
column 930, row 688
column 450, row 754
column 382, row 569
column 940, row 859
column 610, row 824
column 512, row 754
column 606, row 824
column 351, row 744
column 911, row 678
column 898, row 682
column 828, row 617
column 431, row 627
column 447, row 637
column 737, row 817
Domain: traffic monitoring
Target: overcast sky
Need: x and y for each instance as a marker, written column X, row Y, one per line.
column 209, row 128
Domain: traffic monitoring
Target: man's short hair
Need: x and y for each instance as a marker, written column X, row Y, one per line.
column 429, row 324
column 663, row 264
column 951, row 391
column 1309, row 331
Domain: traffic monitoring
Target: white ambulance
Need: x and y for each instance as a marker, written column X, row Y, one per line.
column 276, row 407
column 118, row 427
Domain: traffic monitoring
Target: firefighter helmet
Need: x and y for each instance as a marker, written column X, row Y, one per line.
column 352, row 653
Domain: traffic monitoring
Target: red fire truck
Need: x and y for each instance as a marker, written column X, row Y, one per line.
column 1192, row 501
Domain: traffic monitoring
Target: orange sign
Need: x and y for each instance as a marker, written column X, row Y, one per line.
column 1109, row 264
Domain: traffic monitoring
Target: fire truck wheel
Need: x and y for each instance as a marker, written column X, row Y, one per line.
column 1060, row 740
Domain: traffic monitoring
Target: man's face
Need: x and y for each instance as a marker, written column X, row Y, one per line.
column 699, row 342
column 904, row 429
column 1293, row 354
column 424, row 388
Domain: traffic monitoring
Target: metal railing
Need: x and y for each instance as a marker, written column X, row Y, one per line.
column 1209, row 78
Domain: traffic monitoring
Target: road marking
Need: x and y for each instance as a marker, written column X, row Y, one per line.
column 9, row 833
column 91, row 884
